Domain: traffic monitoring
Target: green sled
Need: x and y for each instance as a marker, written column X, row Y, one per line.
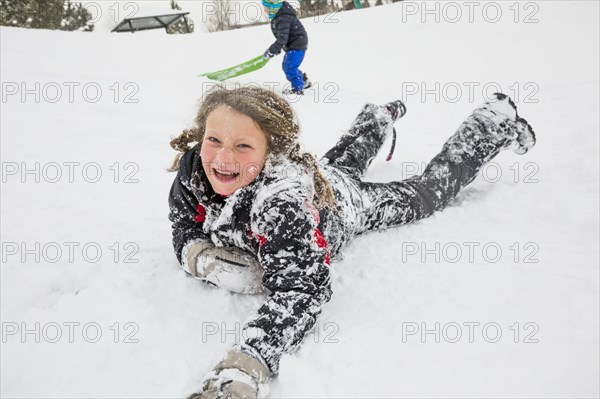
column 241, row 69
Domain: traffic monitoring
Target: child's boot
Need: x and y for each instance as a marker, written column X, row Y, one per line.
column 396, row 108
column 503, row 111
column 307, row 82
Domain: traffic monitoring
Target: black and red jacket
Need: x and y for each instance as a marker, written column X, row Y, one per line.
column 273, row 218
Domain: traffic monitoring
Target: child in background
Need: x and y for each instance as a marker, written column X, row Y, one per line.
column 253, row 214
column 291, row 38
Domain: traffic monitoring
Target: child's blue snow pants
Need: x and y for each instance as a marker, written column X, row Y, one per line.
column 291, row 63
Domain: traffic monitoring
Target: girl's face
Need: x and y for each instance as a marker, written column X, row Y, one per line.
column 234, row 150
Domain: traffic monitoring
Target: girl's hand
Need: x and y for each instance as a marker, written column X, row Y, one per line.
column 227, row 267
column 230, row 268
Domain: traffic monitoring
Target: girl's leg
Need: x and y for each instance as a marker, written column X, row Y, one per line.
column 491, row 128
column 291, row 63
column 357, row 147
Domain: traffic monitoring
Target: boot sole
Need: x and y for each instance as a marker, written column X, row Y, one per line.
column 526, row 136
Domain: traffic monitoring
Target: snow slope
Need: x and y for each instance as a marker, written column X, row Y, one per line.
column 87, row 265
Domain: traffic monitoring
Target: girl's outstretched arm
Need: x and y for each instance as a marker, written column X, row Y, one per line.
column 295, row 259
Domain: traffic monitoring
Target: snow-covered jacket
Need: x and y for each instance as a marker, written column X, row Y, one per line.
column 288, row 31
column 274, row 218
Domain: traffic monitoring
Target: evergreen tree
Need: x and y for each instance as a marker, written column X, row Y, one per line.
column 45, row 14
column 76, row 17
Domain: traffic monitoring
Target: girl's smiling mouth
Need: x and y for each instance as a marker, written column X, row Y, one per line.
column 225, row 176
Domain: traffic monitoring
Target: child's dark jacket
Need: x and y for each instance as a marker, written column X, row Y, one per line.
column 288, row 31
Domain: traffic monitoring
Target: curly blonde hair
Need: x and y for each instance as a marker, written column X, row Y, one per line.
column 273, row 115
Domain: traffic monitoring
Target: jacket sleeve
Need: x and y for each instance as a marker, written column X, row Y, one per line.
column 295, row 260
column 284, row 24
column 186, row 221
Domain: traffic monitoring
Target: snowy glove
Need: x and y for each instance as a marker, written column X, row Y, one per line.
column 268, row 55
column 190, row 253
column 227, row 267
column 238, row 376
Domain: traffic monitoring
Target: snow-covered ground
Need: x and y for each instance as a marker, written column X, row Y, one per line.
column 497, row 296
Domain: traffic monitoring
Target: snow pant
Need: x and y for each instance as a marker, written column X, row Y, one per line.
column 291, row 63
column 365, row 206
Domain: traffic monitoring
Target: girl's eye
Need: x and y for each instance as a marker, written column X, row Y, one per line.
column 244, row 146
column 213, row 139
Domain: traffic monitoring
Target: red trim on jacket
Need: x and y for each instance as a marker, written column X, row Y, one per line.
column 322, row 243
column 201, row 216
column 261, row 239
